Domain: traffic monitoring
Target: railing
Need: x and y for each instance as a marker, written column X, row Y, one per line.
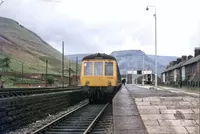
column 184, row 84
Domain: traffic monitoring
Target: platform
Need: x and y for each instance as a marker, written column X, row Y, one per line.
column 161, row 111
column 126, row 118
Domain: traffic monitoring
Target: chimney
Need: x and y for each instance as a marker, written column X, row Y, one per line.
column 178, row 60
column 174, row 63
column 171, row 64
column 196, row 51
column 189, row 57
column 184, row 58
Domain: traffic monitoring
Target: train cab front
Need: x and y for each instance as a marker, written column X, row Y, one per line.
column 98, row 77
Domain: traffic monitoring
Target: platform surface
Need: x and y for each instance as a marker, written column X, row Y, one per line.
column 126, row 118
column 177, row 113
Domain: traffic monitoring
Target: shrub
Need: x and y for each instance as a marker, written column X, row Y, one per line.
column 50, row 80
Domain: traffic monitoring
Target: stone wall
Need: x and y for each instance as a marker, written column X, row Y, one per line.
column 16, row 112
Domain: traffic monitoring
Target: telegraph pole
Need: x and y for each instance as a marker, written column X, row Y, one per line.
column 1, row 48
column 63, row 64
column 69, row 73
column 1, row 2
column 76, row 69
column 46, row 71
column 22, row 71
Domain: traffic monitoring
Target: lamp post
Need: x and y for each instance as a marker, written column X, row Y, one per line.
column 147, row 8
column 143, row 69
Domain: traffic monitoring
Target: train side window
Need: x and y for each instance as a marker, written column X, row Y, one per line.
column 109, row 68
column 98, row 68
column 88, row 68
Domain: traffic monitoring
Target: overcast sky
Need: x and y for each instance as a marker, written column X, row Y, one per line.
column 89, row 26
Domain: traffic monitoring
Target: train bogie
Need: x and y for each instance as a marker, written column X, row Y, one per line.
column 99, row 94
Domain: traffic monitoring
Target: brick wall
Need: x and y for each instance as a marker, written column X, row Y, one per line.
column 19, row 111
column 170, row 76
column 191, row 70
column 198, row 69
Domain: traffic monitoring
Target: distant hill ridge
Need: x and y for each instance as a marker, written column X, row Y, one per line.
column 133, row 60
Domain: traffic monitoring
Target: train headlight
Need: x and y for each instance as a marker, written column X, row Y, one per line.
column 87, row 82
column 109, row 82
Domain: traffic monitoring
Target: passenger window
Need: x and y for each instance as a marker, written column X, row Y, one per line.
column 98, row 68
column 88, row 68
column 109, row 68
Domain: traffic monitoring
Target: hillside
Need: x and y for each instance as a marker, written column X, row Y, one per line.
column 133, row 59
column 164, row 60
column 73, row 57
column 23, row 45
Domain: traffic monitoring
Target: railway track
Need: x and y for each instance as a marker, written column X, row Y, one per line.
column 79, row 121
column 105, row 124
column 4, row 93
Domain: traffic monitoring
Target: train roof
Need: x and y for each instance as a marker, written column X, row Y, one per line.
column 98, row 56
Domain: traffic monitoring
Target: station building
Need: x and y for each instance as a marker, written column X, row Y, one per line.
column 136, row 76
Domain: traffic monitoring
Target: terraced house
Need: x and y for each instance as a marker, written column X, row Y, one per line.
column 184, row 71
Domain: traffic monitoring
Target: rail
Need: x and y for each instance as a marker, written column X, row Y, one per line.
column 95, row 120
column 80, row 120
column 42, row 129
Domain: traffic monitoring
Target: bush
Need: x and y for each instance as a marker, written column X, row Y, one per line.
column 50, row 80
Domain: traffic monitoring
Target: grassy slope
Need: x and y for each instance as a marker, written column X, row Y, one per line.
column 22, row 45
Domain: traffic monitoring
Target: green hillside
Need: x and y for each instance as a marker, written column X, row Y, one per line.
column 24, row 46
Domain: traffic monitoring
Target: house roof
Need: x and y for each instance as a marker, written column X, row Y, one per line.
column 192, row 60
column 183, row 63
column 174, row 67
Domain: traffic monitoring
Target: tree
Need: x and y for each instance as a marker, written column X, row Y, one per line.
column 50, row 80
column 5, row 63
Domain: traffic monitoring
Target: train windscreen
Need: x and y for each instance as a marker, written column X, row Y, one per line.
column 88, row 68
column 109, row 68
column 98, row 68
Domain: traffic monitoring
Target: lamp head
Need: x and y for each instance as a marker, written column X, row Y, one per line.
column 147, row 8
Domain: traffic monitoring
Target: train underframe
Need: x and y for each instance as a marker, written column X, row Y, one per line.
column 100, row 94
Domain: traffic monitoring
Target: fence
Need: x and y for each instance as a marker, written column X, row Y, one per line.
column 41, row 65
column 192, row 84
column 16, row 78
column 184, row 84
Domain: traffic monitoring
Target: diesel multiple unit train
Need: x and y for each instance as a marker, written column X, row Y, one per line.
column 100, row 77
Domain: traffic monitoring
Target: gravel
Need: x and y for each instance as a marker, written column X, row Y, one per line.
column 40, row 123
